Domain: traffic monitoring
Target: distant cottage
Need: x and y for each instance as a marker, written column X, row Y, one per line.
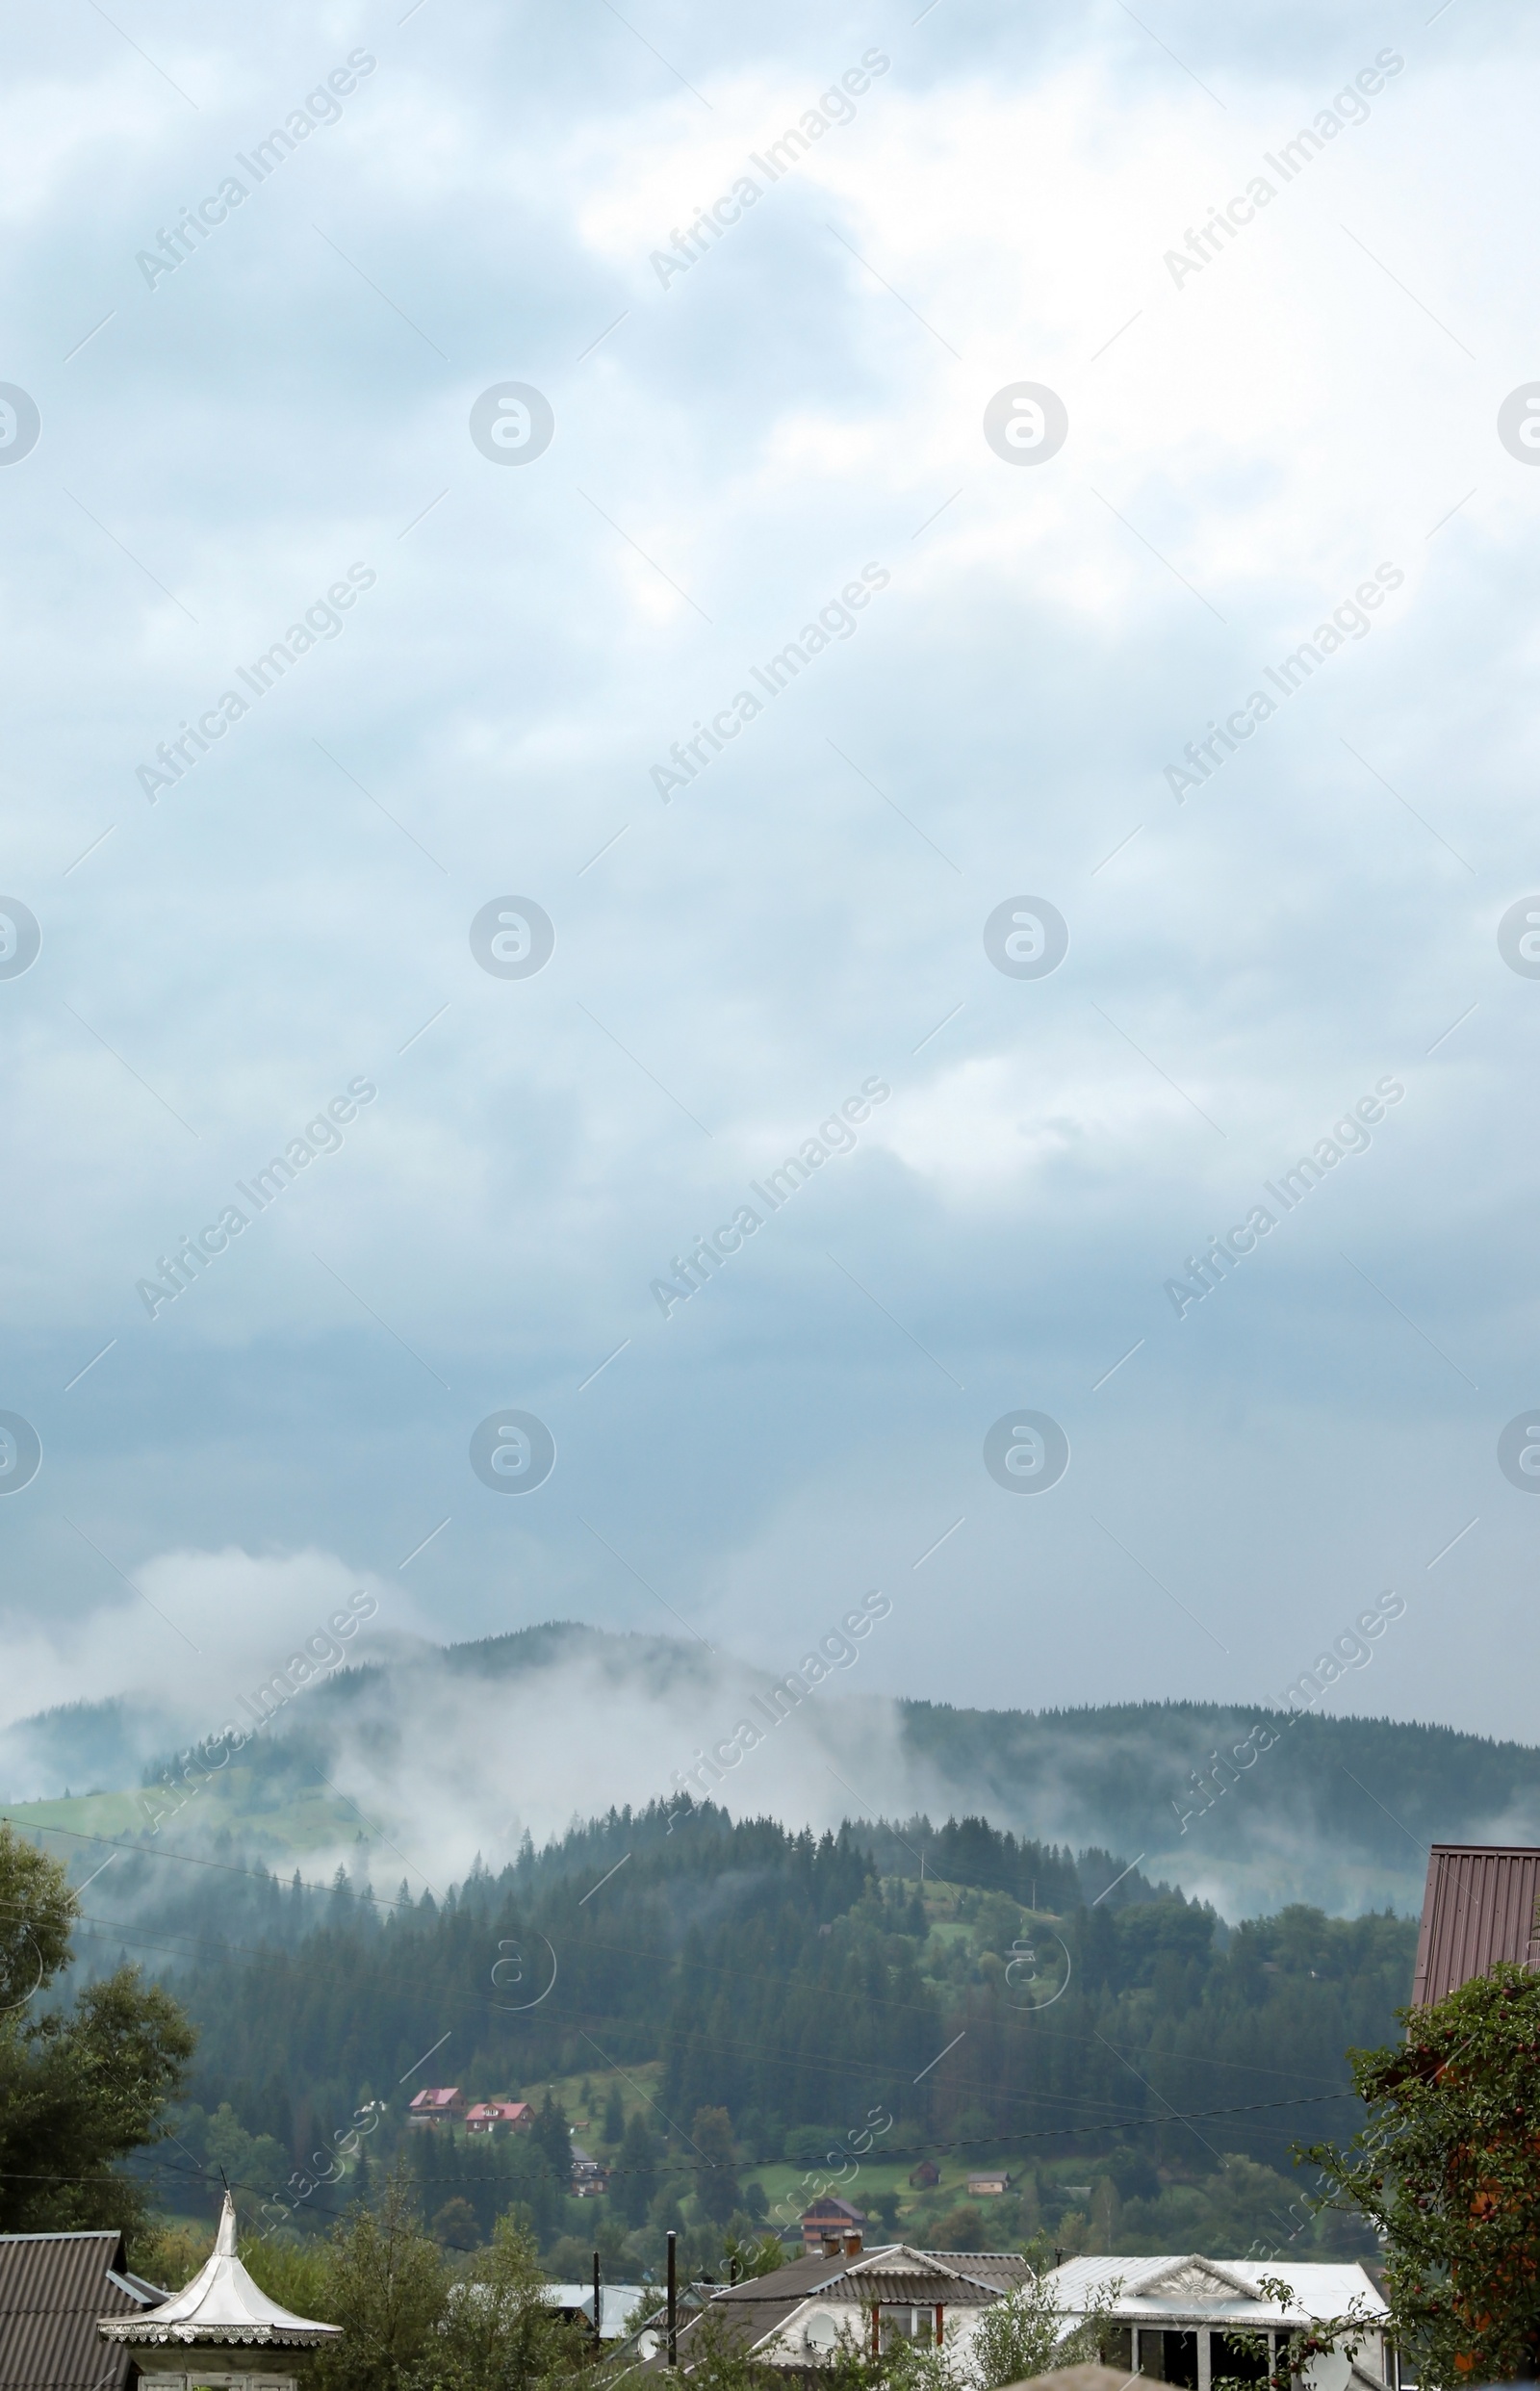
column 441, row 2104
column 831, row 2226
column 500, row 2116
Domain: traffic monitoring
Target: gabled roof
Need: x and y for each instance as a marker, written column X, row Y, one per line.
column 221, row 2308
column 53, row 2287
column 893, row 2274
column 617, row 2303
column 436, row 2096
column 1163, row 2289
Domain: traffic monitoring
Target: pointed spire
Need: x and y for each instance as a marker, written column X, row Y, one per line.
column 222, row 2308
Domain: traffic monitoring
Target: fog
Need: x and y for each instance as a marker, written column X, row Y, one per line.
column 309, row 1710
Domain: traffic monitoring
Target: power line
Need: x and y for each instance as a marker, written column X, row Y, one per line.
column 108, row 1930
column 691, row 2167
column 188, row 1946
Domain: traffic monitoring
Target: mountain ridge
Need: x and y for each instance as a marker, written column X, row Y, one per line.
column 1246, row 1806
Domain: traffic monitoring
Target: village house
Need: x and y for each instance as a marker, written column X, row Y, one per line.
column 443, row 2104
column 499, row 2117
column 991, row 2185
column 1174, row 2320
column 588, row 2177
column 800, row 2314
column 925, row 2174
column 830, row 2226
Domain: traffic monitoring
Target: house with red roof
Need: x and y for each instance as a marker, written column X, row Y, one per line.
column 499, row 2117
column 441, row 2104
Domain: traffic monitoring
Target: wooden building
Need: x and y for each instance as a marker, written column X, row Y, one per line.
column 439, row 2104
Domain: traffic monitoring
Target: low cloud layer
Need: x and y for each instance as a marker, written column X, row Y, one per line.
column 1254, row 938
column 426, row 1758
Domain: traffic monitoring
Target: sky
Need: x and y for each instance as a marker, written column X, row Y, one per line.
column 957, row 406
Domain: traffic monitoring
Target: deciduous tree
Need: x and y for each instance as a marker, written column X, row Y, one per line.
column 1448, row 2172
column 82, row 2086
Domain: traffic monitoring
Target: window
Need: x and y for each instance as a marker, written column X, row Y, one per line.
column 1169, row 2358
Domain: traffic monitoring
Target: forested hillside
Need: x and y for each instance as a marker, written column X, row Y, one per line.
column 434, row 1746
column 1140, row 2068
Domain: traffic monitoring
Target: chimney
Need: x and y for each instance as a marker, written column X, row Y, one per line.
column 853, row 2243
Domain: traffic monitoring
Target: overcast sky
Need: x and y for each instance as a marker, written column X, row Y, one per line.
column 233, row 940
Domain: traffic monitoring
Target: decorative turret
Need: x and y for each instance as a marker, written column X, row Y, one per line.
column 221, row 2308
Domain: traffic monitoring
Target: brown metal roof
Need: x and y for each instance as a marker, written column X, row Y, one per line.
column 1482, row 1904
column 53, row 2287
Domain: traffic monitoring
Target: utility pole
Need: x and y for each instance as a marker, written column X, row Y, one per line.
column 597, row 2331
column 672, row 2300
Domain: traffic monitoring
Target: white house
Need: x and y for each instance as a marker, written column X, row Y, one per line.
column 1172, row 2319
column 869, row 2299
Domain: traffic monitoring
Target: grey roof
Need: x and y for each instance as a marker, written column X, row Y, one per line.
column 913, row 2289
column 617, row 2303
column 998, row 2270
column 890, row 2274
column 53, row 2287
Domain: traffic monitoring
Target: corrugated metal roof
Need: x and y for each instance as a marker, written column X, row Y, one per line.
column 53, row 2287
column 1480, row 1906
column 1155, row 2286
column 616, row 2304
column 891, row 2275
column 997, row 2270
column 800, row 2278
column 911, row 2289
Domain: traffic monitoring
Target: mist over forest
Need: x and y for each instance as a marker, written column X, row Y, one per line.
column 1141, row 2067
column 450, row 1754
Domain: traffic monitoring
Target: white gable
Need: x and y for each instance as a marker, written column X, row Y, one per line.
column 1192, row 2278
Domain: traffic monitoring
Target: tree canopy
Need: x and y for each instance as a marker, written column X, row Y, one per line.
column 1448, row 2171
column 409, row 2324
column 80, row 2087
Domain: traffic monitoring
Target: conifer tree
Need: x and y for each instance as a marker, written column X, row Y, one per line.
column 634, row 2182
